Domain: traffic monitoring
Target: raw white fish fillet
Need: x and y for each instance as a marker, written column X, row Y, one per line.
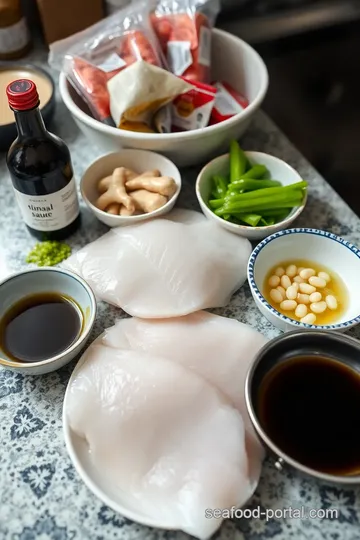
column 163, row 268
column 188, row 217
column 218, row 349
column 162, row 436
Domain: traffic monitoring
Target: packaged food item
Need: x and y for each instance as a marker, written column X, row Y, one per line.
column 162, row 120
column 184, row 31
column 139, row 91
column 192, row 109
column 93, row 57
column 228, row 103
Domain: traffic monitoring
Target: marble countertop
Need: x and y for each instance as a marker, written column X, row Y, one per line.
column 41, row 496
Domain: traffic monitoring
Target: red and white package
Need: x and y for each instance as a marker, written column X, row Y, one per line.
column 184, row 32
column 94, row 56
column 192, row 110
column 228, row 103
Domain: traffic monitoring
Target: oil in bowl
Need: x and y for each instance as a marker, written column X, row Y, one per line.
column 39, row 327
column 306, row 291
column 309, row 407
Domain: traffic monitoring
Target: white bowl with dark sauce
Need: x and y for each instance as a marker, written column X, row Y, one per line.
column 46, row 316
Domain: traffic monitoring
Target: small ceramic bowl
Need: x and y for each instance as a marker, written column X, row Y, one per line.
column 137, row 160
column 48, row 280
column 343, row 349
column 314, row 245
column 279, row 170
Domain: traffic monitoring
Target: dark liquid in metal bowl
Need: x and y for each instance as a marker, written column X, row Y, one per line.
column 40, row 327
column 309, row 406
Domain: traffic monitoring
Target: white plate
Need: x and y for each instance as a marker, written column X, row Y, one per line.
column 78, row 451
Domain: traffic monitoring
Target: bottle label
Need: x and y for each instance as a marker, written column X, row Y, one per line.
column 49, row 212
column 14, row 38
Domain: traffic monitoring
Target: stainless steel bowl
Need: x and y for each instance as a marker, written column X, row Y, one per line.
column 338, row 346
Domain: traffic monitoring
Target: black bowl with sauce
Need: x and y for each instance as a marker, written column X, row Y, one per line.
column 46, row 89
column 303, row 397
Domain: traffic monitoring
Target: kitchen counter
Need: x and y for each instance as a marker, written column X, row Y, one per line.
column 41, row 495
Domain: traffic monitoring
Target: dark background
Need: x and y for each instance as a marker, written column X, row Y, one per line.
column 312, row 51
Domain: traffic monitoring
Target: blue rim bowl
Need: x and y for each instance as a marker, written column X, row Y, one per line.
column 347, row 260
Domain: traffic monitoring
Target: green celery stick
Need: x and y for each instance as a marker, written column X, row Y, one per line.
column 278, row 214
column 267, row 221
column 257, row 171
column 249, row 184
column 249, row 219
column 266, row 203
column 216, row 203
column 260, row 193
column 238, row 161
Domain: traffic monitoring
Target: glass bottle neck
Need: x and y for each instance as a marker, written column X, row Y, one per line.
column 30, row 124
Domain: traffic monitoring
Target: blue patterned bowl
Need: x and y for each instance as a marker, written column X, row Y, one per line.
column 315, row 245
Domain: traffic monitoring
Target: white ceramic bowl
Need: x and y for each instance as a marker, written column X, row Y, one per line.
column 321, row 247
column 233, row 61
column 48, row 280
column 279, row 170
column 137, row 160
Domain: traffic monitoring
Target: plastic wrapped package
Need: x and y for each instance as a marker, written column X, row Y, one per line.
column 92, row 57
column 192, row 109
column 138, row 92
column 183, row 28
column 228, row 103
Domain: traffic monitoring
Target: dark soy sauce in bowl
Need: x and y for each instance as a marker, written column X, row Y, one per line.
column 40, row 327
column 309, row 406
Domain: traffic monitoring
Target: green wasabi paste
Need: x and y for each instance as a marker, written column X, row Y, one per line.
column 48, row 253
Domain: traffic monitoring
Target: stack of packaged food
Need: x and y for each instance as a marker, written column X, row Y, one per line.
column 147, row 68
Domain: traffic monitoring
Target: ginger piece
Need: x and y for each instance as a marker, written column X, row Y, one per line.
column 147, row 201
column 147, row 174
column 125, row 212
column 116, row 192
column 164, row 185
column 104, row 183
column 113, row 208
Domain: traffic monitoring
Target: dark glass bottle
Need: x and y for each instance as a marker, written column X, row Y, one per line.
column 40, row 168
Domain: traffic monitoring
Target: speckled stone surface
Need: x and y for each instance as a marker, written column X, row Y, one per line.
column 41, row 496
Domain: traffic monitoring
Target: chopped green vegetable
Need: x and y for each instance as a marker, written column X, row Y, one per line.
column 250, row 196
column 257, row 171
column 249, row 184
column 249, row 219
column 267, row 191
column 267, row 221
column 282, row 200
column 261, row 193
column 238, row 161
column 216, row 203
column 219, row 187
column 275, row 213
column 48, row 253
